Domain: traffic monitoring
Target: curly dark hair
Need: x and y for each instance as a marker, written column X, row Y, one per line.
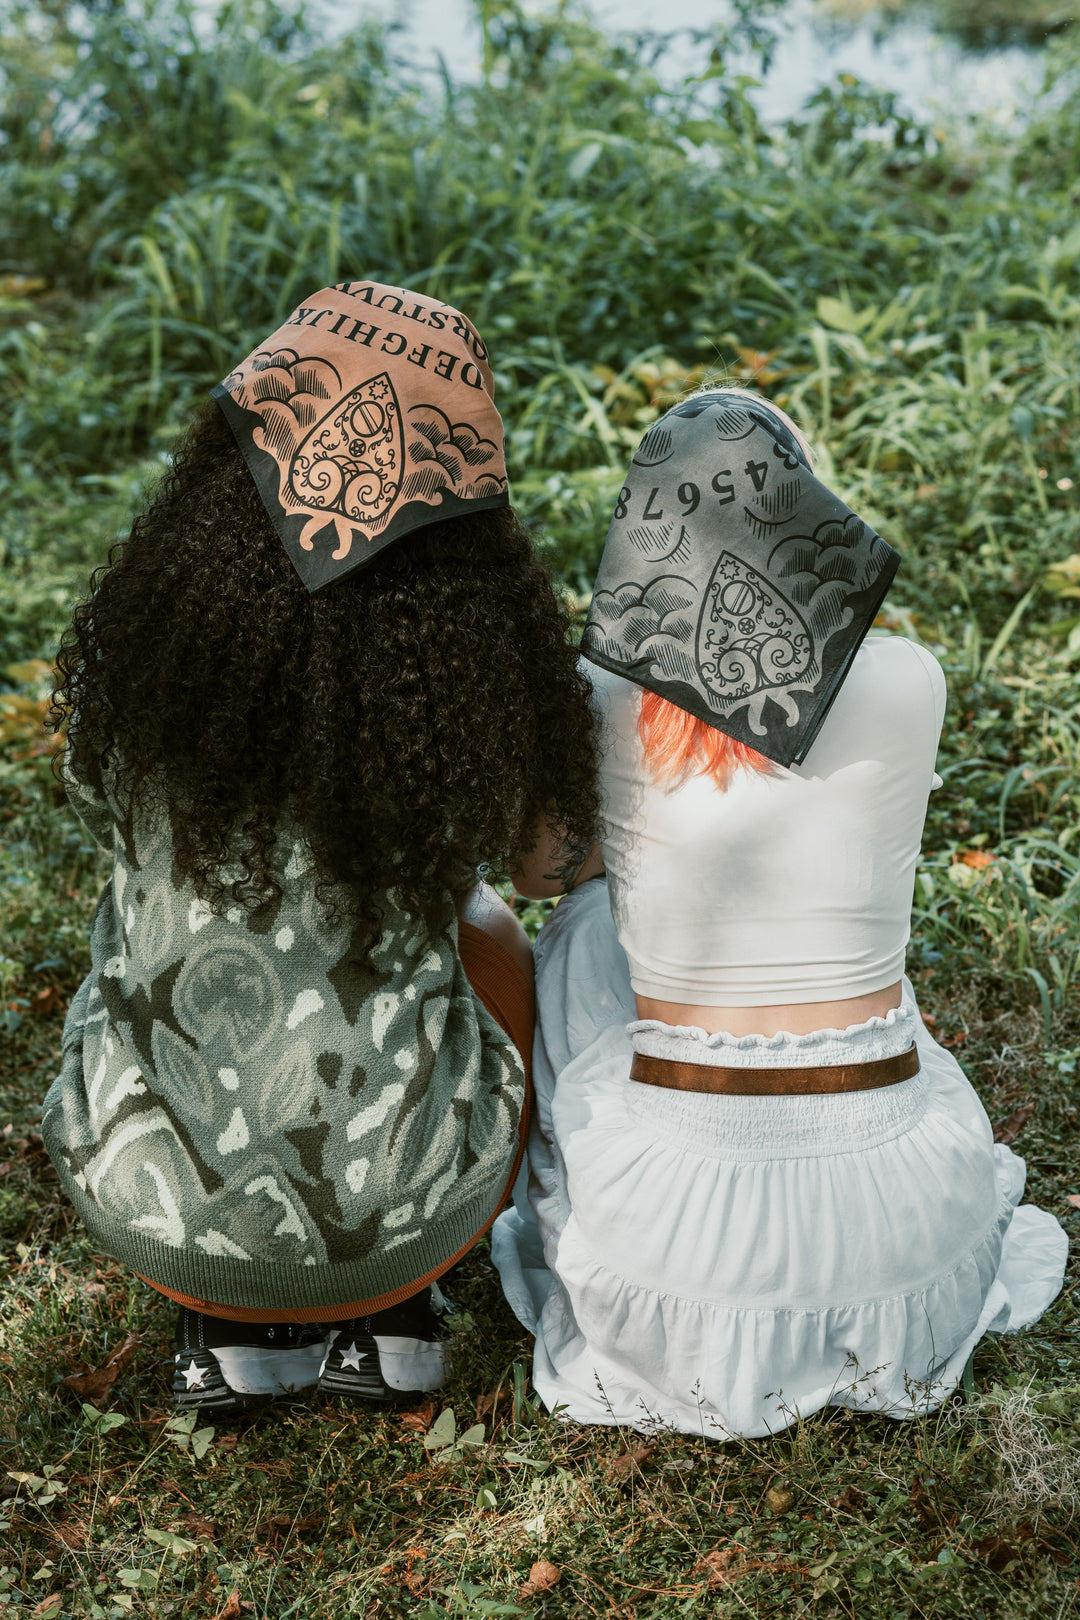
column 414, row 719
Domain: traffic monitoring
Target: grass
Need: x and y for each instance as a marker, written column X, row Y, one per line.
column 912, row 294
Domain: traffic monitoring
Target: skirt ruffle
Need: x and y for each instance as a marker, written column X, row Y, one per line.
column 726, row 1265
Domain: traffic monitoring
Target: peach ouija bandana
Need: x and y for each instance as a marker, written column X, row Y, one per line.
column 733, row 582
column 367, row 415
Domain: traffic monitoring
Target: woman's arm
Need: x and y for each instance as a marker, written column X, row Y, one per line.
column 550, row 867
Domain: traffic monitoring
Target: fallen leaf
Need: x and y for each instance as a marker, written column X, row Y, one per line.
column 850, row 1500
column 1010, row 1128
column 226, row 1442
column 956, row 1039
column 198, row 1526
column 923, row 1506
column 418, row 1582
column 95, row 1382
column 716, row 1565
column 779, row 1498
column 542, row 1578
column 629, row 1462
column 48, row 1000
column 488, row 1405
column 50, row 1606
column 930, row 1021
column 1073, row 1199
column 419, row 1421
column 232, row 1609
column 926, row 492
column 978, row 858
column 300, row 1527
column 998, row 1551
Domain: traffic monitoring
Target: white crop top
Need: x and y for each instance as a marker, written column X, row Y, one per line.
column 792, row 887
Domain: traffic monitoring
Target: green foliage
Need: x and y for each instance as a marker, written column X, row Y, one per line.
column 172, row 179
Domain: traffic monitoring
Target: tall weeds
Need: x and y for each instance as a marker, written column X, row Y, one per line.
column 176, row 178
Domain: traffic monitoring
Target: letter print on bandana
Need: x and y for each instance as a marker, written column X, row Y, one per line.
column 733, row 583
column 367, row 415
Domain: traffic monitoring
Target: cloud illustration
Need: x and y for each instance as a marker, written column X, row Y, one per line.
column 449, row 456
column 288, row 392
column 820, row 572
column 651, row 625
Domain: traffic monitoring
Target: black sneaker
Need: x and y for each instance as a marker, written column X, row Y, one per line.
column 401, row 1350
column 236, row 1366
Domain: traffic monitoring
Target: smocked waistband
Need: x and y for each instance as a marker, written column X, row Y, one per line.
column 858, row 1043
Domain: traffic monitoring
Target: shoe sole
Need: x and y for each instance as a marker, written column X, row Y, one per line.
column 244, row 1376
column 210, row 1393
column 363, row 1382
column 389, row 1366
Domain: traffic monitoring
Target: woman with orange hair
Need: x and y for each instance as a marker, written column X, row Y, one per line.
column 757, row 1185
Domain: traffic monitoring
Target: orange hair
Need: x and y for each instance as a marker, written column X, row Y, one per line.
column 677, row 745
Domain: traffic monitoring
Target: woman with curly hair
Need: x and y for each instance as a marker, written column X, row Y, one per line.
column 322, row 683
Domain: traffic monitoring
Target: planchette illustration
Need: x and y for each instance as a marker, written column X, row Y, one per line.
column 751, row 642
column 348, row 468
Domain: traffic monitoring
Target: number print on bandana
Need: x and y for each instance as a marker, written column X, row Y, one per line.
column 350, row 463
column 751, row 642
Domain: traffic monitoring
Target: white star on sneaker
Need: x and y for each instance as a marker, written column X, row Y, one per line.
column 352, row 1357
column 195, row 1375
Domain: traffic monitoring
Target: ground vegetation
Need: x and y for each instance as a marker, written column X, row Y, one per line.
column 172, row 179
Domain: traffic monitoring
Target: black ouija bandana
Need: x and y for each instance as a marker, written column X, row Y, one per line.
column 367, row 415
column 733, row 583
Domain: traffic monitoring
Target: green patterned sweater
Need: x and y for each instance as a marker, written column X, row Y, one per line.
column 245, row 1114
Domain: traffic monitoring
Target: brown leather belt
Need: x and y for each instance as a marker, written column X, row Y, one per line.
column 653, row 1071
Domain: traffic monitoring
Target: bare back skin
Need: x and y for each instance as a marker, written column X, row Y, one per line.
column 799, row 1018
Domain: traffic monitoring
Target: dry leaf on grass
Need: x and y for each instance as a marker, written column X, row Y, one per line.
column 74, row 1536
column 850, row 1500
column 1010, row 1128
column 31, row 1153
column 196, row 1525
column 1073, row 1199
column 419, row 1421
column 1000, row 1550
column 542, row 1578
column 298, row 1527
column 489, row 1405
column 232, row 1609
column 716, row 1567
column 779, row 1498
column 94, row 1383
column 226, row 1442
column 629, row 1462
column 419, row 1581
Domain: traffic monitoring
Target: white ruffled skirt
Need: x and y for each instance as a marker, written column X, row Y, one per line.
column 724, row 1265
